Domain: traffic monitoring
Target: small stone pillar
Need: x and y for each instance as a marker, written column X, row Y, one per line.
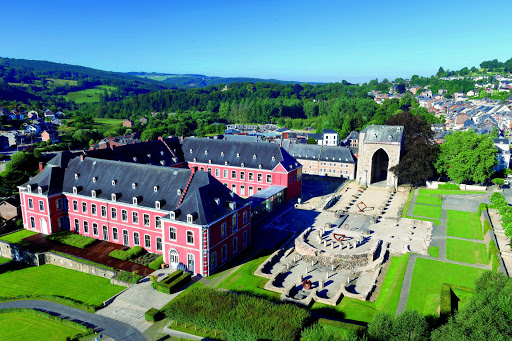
column 325, row 243
column 306, row 269
column 321, row 284
column 332, row 267
column 327, row 276
column 312, row 263
column 300, row 279
column 332, row 245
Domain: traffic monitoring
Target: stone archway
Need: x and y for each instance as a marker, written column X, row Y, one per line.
column 380, row 165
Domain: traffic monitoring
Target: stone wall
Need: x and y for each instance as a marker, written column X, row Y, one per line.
column 55, row 259
column 18, row 253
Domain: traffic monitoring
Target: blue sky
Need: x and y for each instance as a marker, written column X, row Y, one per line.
column 292, row 40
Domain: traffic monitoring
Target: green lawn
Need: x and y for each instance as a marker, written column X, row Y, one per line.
column 88, row 95
column 464, row 225
column 24, row 326
column 433, row 251
column 429, row 199
column 425, row 191
column 17, row 237
column 4, row 260
column 53, row 280
column 427, row 211
column 72, row 239
column 429, row 276
column 388, row 298
column 434, row 221
column 108, row 122
column 466, row 251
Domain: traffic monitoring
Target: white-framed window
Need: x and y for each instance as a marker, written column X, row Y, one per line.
column 135, row 217
column 251, row 190
column 77, row 225
column 114, row 234
column 202, row 169
column 147, row 241
column 33, row 222
column 242, row 175
column 190, row 262
column 84, row 207
column 93, row 209
column 124, row 215
column 225, row 173
column 158, row 222
column 41, row 206
column 126, row 240
column 190, row 237
column 95, row 229
column 146, row 219
column 242, row 190
column 213, row 258
column 86, row 227
column 245, row 238
column 136, row 240
column 217, row 172
column 58, row 202
column 224, row 252
column 234, row 222
column 105, row 232
column 233, row 188
column 235, row 245
column 233, row 174
column 251, row 177
column 172, row 233
column 269, row 178
column 104, row 211
column 158, row 244
column 30, row 203
column 260, row 177
column 223, row 229
column 245, row 217
column 114, row 213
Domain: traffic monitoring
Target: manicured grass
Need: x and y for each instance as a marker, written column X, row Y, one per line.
column 71, row 238
column 464, row 225
column 405, row 209
column 388, row 298
column 427, row 279
column 17, row 237
column 4, row 260
column 23, row 326
column 244, row 280
column 466, row 251
column 427, row 211
column 434, row 221
column 433, row 251
column 429, row 199
column 53, row 280
column 88, row 95
column 108, row 122
column 425, row 191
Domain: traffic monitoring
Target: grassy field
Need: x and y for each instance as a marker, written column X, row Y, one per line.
column 23, row 326
column 464, row 225
column 466, row 251
column 17, row 237
column 107, row 123
column 427, row 211
column 425, row 191
column 388, row 298
column 59, row 81
column 429, row 200
column 4, row 260
column 88, row 95
column 433, row 251
column 427, row 279
column 53, row 280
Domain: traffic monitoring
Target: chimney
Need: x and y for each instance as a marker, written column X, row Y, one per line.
column 193, row 169
column 160, row 138
column 82, row 157
column 41, row 166
column 181, row 137
column 147, row 140
column 281, row 144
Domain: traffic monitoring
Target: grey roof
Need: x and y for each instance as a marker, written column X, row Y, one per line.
column 501, row 140
column 329, row 131
column 322, row 153
column 236, row 153
column 244, row 138
column 199, row 198
column 354, row 135
column 383, row 134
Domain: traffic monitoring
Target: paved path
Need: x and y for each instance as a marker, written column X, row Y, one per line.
column 119, row 331
column 439, row 237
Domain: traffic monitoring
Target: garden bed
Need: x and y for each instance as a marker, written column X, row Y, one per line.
column 72, row 239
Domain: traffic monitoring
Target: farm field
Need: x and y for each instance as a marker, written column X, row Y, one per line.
column 89, row 95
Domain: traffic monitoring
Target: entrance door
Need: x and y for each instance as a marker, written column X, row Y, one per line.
column 190, row 263
column 174, row 258
column 44, row 226
column 125, row 238
column 105, row 232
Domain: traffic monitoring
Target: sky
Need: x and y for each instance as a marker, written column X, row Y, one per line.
column 315, row 41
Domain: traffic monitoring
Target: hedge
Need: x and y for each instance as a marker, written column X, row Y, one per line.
column 131, row 253
column 86, row 331
column 493, row 255
column 71, row 238
column 59, row 299
column 223, row 310
column 152, row 315
column 171, row 283
column 157, row 263
column 448, row 186
column 130, row 277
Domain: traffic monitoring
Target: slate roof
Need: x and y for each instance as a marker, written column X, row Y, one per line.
column 235, row 153
column 329, row 131
column 321, row 153
column 354, row 135
column 50, row 181
column 383, row 134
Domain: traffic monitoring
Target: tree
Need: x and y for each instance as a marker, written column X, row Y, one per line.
column 311, row 140
column 420, row 151
column 499, row 181
column 466, row 156
column 381, row 328
column 409, row 325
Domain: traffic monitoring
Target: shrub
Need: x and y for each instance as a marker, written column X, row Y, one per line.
column 171, row 283
column 128, row 254
column 152, row 315
column 448, row 186
column 157, row 263
column 71, row 238
column 130, row 277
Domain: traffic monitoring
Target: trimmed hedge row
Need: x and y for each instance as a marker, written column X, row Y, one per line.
column 493, row 255
column 59, row 299
column 131, row 253
column 157, row 263
column 172, row 282
column 86, row 331
column 152, row 315
column 239, row 316
column 71, row 238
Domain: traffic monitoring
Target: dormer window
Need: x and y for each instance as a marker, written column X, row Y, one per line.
column 191, row 150
column 210, row 161
column 226, row 163
column 390, row 137
column 243, row 164
column 134, row 185
column 173, row 215
column 149, row 156
column 29, row 188
column 93, row 193
column 221, row 153
column 114, row 182
column 398, row 129
column 157, row 205
column 114, row 197
column 206, row 152
column 77, row 175
column 178, row 191
column 134, row 159
column 155, row 189
column 274, row 158
column 254, row 157
column 94, row 179
column 39, row 190
column 260, row 166
column 75, row 190
column 162, row 152
column 375, row 136
column 217, row 201
column 135, row 201
column 162, row 162
column 190, row 218
column 237, row 154
column 195, row 159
